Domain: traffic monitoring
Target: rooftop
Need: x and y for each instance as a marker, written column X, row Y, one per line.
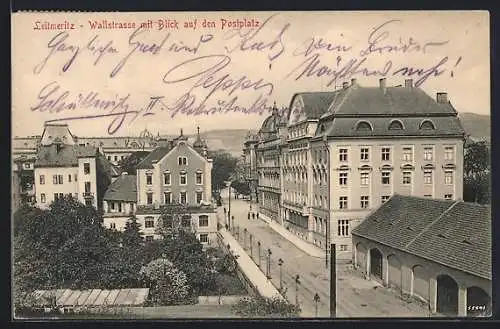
column 66, row 156
column 456, row 234
column 124, row 188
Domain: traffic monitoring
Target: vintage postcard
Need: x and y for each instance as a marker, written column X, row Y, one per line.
column 251, row 165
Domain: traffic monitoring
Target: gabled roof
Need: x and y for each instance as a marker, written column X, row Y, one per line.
column 153, row 157
column 108, row 167
column 68, row 155
column 124, row 188
column 452, row 233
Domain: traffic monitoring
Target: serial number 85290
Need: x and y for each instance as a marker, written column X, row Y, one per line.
column 476, row 307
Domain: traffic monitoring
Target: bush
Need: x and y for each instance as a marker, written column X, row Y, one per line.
column 265, row 307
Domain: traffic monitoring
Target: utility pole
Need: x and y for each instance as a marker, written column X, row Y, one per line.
column 229, row 210
column 316, row 301
column 244, row 238
column 251, row 246
column 269, row 253
column 258, row 245
column 280, row 264
column 333, row 282
column 297, row 283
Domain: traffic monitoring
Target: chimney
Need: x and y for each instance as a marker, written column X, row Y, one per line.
column 353, row 82
column 409, row 83
column 442, row 97
column 383, row 87
column 345, row 85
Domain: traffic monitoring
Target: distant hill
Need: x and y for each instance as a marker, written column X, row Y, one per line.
column 476, row 125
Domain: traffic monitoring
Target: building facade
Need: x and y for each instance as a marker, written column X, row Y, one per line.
column 438, row 251
column 174, row 179
column 250, row 165
column 344, row 153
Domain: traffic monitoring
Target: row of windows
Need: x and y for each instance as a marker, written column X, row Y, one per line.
column 386, row 177
column 43, row 197
column 407, row 153
column 116, row 157
column 167, row 178
column 149, row 222
column 149, row 238
column 167, row 197
column 58, row 179
column 395, row 125
column 365, row 200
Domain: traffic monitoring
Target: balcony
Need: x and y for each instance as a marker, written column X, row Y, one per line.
column 88, row 195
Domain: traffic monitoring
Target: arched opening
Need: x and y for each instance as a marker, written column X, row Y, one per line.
column 478, row 302
column 427, row 125
column 364, row 126
column 420, row 282
column 394, row 272
column 396, row 125
column 361, row 256
column 376, row 264
column 447, row 295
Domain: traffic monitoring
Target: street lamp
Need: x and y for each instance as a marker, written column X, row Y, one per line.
column 327, row 235
column 244, row 238
column 280, row 264
column 269, row 253
column 297, row 283
column 316, row 301
column 229, row 210
column 251, row 246
column 258, row 245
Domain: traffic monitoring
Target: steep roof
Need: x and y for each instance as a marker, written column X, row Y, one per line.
column 57, row 133
column 454, row 234
column 108, row 167
column 153, row 157
column 315, row 103
column 68, row 155
column 124, row 188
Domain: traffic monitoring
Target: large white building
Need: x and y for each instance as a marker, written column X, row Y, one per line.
column 344, row 153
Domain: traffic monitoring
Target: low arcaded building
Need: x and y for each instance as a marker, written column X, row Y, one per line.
column 436, row 250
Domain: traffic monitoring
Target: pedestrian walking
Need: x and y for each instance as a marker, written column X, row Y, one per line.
column 224, row 210
column 253, row 215
column 257, row 215
column 248, row 216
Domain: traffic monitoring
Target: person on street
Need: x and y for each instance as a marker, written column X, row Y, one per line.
column 224, row 210
column 248, row 216
column 253, row 215
column 257, row 215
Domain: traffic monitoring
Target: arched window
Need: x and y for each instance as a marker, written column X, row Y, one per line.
column 364, row 126
column 396, row 125
column 427, row 125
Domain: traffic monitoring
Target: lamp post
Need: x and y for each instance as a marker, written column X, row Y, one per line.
column 316, row 301
column 251, row 246
column 229, row 210
column 269, row 253
column 280, row 264
column 258, row 245
column 297, row 283
column 327, row 235
column 244, row 238
column 333, row 282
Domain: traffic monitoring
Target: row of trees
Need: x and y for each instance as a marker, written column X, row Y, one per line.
column 477, row 173
column 66, row 246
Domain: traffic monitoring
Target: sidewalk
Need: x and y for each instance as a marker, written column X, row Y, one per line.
column 306, row 247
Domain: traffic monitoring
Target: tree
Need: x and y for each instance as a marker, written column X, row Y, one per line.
column 129, row 163
column 477, row 169
column 265, row 307
column 168, row 285
column 241, row 187
column 224, row 167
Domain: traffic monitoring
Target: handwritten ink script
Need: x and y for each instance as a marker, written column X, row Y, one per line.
column 216, row 66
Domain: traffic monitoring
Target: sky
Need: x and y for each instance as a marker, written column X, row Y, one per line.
column 120, row 79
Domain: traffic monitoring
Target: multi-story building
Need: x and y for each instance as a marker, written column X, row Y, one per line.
column 64, row 168
column 250, row 164
column 172, row 175
column 344, row 153
column 23, row 180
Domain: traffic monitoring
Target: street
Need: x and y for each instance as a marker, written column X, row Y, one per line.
column 356, row 297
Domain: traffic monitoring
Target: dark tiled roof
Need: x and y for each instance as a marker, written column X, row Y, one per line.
column 124, row 188
column 108, row 167
column 317, row 103
column 153, row 157
column 435, row 230
column 67, row 157
column 346, row 127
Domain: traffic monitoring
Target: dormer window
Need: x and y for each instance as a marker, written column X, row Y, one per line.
column 396, row 125
column 427, row 125
column 364, row 126
column 182, row 161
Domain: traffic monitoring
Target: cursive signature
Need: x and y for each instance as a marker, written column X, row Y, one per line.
column 313, row 44
column 250, row 40
column 379, row 42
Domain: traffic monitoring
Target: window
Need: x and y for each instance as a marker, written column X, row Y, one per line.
column 86, row 168
column 149, row 179
column 407, row 154
column 395, row 125
column 406, row 177
column 386, row 178
column 186, row 221
column 448, row 153
column 365, row 154
column 119, row 207
column 76, row 180
column 88, row 202
column 343, row 227
column 182, row 161
column 428, row 153
column 149, row 238
column 183, row 179
column 365, row 177
column 343, row 247
column 166, row 178
column 168, row 197
column 149, row 222
column 54, row 179
column 427, row 177
column 448, row 177
column 109, row 157
column 426, row 124
column 199, row 178
column 199, row 197
column 385, row 198
column 182, row 198
column 204, row 238
column 343, row 178
column 58, row 196
column 203, row 221
column 365, row 203
column 116, row 158
column 448, row 196
column 43, row 198
column 343, row 202
column 168, row 221
column 60, row 179
column 149, row 198
column 386, row 154
column 363, row 126
column 112, row 226
column 87, row 187
column 42, row 179
column 112, row 205
column 122, row 157
column 342, row 154
column 69, row 178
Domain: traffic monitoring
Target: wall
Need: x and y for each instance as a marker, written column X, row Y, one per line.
column 91, row 177
column 49, row 188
